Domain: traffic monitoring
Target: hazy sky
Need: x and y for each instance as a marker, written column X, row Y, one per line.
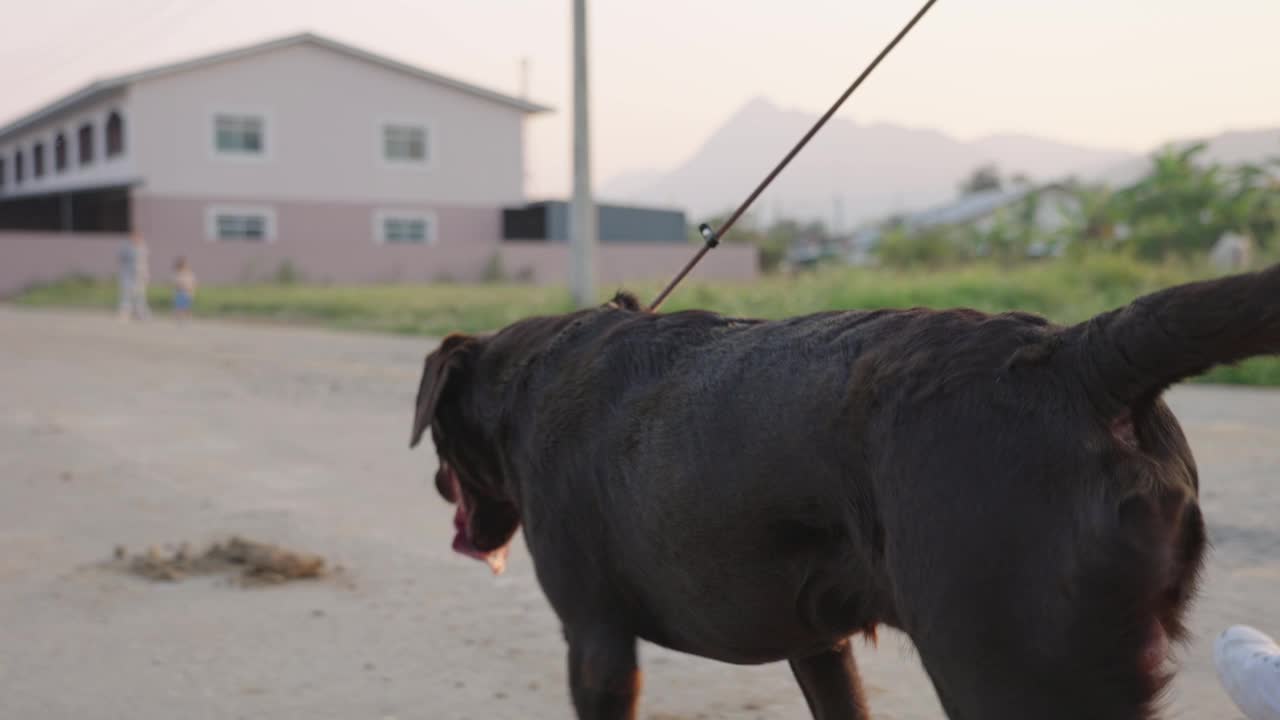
column 665, row 73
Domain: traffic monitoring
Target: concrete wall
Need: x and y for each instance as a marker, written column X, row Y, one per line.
column 548, row 263
column 28, row 258
column 324, row 114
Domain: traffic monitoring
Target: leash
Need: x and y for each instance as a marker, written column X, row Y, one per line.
column 712, row 237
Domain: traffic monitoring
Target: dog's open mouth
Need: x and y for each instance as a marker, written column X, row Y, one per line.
column 496, row 559
column 463, row 541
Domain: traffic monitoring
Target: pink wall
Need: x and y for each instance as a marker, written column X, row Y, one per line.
column 28, row 258
column 548, row 263
column 330, row 242
column 325, row 242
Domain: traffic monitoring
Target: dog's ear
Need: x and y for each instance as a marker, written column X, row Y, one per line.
column 435, row 375
column 446, row 483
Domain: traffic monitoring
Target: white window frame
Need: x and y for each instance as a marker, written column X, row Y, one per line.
column 212, row 213
column 380, row 218
column 429, row 143
column 268, row 137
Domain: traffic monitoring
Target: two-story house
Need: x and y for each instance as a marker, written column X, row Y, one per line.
column 344, row 165
column 300, row 150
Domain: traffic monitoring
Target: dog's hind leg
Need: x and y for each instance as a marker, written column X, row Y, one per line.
column 831, row 684
column 603, row 674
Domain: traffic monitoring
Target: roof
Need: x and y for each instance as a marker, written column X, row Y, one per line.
column 108, row 86
column 967, row 209
column 974, row 206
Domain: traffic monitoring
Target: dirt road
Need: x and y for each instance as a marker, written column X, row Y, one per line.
column 136, row 435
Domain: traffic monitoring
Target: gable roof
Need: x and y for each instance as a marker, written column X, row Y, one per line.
column 106, row 87
column 975, row 206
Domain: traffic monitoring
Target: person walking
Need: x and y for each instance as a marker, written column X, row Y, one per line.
column 134, row 272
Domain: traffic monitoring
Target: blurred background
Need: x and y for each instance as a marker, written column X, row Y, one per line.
column 1004, row 131
column 278, row 191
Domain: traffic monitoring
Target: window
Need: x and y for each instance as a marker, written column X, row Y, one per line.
column 404, row 143
column 255, row 225
column 115, row 134
column 242, row 227
column 3, row 179
column 84, row 141
column 60, row 152
column 17, row 167
column 37, row 160
column 404, row 228
column 238, row 134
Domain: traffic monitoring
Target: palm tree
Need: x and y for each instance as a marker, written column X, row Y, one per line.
column 1172, row 209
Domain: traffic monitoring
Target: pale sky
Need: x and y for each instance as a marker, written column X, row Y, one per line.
column 1123, row 74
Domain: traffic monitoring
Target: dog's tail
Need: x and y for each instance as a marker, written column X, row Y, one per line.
column 1134, row 353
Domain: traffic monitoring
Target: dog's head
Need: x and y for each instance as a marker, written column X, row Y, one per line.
column 469, row 476
column 464, row 398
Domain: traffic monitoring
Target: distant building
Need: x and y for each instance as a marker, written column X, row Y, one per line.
column 1052, row 212
column 980, row 209
column 1232, row 252
column 549, row 221
column 346, row 165
column 859, row 248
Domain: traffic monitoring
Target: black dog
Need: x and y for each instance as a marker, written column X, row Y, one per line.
column 1011, row 494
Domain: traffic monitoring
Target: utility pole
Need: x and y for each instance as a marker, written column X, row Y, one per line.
column 582, row 224
column 524, row 78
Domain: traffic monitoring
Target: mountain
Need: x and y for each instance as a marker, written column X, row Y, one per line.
column 631, row 182
column 1229, row 148
column 850, row 171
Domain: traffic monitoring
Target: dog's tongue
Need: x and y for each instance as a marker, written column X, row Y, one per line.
column 497, row 559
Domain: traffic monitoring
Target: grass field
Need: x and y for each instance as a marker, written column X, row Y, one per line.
column 1065, row 291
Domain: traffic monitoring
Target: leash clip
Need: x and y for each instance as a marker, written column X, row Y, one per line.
column 708, row 235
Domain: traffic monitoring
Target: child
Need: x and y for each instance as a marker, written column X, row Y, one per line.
column 184, row 288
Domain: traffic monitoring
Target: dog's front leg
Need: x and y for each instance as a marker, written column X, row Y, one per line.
column 831, row 684
column 603, row 674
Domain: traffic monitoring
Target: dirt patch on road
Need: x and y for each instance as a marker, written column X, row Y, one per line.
column 251, row 562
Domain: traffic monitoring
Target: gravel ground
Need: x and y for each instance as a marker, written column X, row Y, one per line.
column 136, row 435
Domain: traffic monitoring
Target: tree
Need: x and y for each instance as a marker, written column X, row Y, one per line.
column 982, row 179
column 1092, row 218
column 1250, row 203
column 932, row 248
column 1174, row 210
column 1008, row 234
